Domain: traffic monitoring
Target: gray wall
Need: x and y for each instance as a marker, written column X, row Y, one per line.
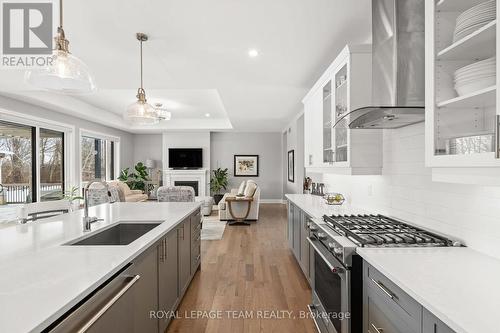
column 224, row 145
column 294, row 140
column 126, row 139
column 148, row 146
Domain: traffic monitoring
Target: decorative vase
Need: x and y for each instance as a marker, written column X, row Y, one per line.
column 217, row 198
column 74, row 205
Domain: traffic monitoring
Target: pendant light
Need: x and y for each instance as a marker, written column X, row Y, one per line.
column 66, row 74
column 141, row 113
column 162, row 113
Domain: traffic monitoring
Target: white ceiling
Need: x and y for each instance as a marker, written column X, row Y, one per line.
column 196, row 60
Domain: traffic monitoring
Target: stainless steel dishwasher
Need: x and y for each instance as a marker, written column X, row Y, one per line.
column 108, row 309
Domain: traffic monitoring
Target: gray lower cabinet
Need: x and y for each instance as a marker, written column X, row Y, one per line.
column 168, row 279
column 388, row 309
column 196, row 225
column 297, row 233
column 291, row 208
column 184, row 240
column 304, row 245
column 431, row 324
column 145, row 291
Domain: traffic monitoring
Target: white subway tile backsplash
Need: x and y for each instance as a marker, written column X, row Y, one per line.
column 405, row 190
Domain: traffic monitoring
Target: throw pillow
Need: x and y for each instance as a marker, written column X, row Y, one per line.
column 250, row 189
column 241, row 189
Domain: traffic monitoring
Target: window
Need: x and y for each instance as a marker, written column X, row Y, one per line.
column 51, row 147
column 16, row 162
column 98, row 159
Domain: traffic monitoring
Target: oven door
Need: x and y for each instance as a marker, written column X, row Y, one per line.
column 331, row 304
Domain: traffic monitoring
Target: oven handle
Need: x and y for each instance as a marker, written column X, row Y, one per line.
column 321, row 252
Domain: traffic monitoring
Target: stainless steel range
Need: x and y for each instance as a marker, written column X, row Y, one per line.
column 338, row 287
column 379, row 230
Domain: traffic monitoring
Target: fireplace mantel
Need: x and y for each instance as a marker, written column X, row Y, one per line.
column 198, row 175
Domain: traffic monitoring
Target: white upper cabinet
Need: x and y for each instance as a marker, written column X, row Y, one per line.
column 345, row 86
column 461, row 91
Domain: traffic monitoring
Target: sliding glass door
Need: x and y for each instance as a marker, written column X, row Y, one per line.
column 51, row 147
column 23, row 177
column 98, row 157
column 17, row 161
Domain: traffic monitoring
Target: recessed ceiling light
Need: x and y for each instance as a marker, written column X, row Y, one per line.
column 252, row 53
column 207, row 115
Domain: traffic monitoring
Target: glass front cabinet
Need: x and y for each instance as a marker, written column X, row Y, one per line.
column 462, row 117
column 345, row 86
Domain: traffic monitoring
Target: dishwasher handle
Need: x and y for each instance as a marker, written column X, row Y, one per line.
column 109, row 304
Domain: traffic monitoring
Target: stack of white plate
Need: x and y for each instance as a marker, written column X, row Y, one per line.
column 474, row 18
column 476, row 76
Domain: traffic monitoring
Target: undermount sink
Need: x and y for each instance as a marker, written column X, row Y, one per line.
column 119, row 234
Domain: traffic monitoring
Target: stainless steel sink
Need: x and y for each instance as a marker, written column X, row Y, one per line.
column 122, row 233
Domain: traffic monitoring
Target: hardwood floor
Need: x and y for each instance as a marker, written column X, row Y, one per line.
column 251, row 269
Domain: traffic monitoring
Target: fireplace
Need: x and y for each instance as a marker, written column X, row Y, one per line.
column 193, row 184
column 197, row 179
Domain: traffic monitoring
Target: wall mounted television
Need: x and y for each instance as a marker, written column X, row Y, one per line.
column 185, row 158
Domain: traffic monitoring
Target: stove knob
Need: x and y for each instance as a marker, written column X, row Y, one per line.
column 312, row 227
column 331, row 246
column 308, row 225
column 322, row 235
column 338, row 251
column 338, row 270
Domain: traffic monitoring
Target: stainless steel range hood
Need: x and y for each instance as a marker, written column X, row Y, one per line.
column 398, row 79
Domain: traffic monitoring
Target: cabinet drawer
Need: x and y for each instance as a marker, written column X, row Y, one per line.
column 195, row 262
column 378, row 320
column 196, row 217
column 195, row 232
column 405, row 307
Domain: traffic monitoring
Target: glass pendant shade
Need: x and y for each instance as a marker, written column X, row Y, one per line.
column 67, row 74
column 141, row 113
column 164, row 114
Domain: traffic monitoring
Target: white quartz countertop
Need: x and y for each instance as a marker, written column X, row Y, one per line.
column 41, row 278
column 315, row 206
column 458, row 285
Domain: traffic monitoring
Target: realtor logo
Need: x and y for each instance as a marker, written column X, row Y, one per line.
column 27, row 32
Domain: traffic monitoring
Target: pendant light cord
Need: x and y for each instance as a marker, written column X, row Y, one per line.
column 141, row 66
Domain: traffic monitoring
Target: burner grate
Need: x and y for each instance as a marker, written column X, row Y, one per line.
column 379, row 230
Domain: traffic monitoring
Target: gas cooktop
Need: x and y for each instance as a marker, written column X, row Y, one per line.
column 382, row 231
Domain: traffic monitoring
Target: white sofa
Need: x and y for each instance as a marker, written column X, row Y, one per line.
column 240, row 208
column 126, row 194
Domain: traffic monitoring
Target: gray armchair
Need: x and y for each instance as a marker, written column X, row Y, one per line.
column 175, row 194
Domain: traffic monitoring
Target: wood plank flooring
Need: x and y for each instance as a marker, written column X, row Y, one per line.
column 251, row 269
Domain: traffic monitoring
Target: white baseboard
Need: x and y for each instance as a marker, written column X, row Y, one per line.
column 272, row 201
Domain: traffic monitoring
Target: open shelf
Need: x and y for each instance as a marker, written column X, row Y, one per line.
column 478, row 45
column 481, row 98
column 456, row 5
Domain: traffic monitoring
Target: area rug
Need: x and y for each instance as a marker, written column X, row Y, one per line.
column 212, row 229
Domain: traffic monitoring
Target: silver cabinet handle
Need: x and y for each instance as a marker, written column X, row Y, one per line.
column 377, row 330
column 109, row 304
column 165, row 248
column 386, row 291
column 161, row 250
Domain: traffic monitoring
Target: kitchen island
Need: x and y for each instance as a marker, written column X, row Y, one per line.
column 43, row 276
